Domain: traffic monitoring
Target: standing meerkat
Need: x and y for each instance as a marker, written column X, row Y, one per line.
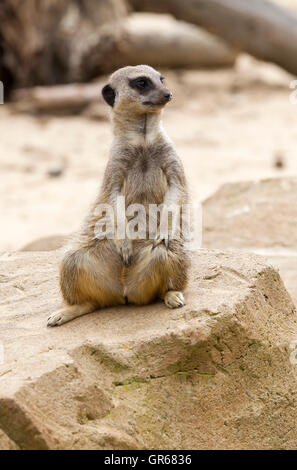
column 143, row 168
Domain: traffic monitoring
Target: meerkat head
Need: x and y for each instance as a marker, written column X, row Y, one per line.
column 137, row 90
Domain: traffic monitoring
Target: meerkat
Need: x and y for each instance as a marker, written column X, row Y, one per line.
column 144, row 168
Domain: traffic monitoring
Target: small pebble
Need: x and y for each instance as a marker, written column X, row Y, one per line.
column 279, row 160
column 55, row 172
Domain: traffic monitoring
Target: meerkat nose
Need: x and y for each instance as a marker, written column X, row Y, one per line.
column 168, row 96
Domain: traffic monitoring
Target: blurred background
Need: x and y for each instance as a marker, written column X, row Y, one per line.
column 229, row 65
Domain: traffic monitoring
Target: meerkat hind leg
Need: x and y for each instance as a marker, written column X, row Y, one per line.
column 69, row 313
column 174, row 299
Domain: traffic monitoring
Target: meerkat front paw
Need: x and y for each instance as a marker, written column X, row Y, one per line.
column 174, row 299
column 124, row 248
column 160, row 238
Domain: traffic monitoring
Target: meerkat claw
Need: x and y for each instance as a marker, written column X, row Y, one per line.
column 167, row 242
column 161, row 239
column 126, row 258
column 125, row 252
column 127, row 262
column 54, row 320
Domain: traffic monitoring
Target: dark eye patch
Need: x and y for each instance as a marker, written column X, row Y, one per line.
column 142, row 84
column 162, row 79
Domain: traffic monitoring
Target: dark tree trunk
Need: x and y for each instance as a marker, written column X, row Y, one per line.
column 43, row 40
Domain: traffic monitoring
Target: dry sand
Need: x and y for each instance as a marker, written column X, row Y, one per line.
column 227, row 125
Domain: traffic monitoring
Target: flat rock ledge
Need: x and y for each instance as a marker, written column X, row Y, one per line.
column 215, row 374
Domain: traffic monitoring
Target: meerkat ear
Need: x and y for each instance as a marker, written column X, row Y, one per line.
column 108, row 94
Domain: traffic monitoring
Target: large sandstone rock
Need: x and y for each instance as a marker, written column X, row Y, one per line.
column 215, row 374
column 287, row 266
column 257, row 216
column 6, row 443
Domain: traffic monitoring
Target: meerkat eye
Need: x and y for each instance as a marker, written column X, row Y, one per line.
column 141, row 83
column 162, row 79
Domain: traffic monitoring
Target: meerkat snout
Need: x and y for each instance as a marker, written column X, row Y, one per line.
column 140, row 89
column 168, row 96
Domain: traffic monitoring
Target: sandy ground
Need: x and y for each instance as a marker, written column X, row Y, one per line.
column 227, row 125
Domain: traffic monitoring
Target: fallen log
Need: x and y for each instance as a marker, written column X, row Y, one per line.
column 152, row 39
column 160, row 41
column 259, row 27
column 70, row 98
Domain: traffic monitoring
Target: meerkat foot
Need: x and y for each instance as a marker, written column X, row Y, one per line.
column 174, row 299
column 69, row 313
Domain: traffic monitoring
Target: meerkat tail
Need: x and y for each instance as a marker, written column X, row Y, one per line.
column 69, row 313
